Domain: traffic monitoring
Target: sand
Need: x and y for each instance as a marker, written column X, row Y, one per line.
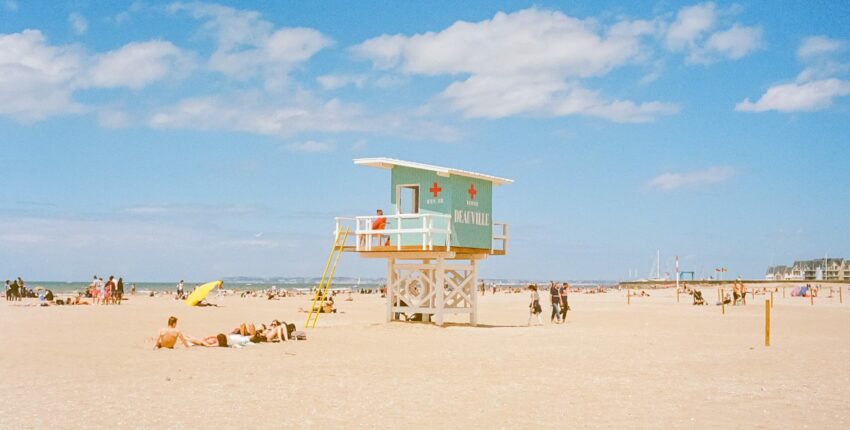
column 651, row 364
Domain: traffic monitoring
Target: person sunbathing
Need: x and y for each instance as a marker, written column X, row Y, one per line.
column 169, row 336
column 210, row 341
column 275, row 332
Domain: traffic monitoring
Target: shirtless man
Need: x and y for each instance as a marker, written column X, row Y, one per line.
column 169, row 335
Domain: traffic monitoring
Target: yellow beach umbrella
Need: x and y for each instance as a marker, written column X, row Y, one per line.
column 201, row 292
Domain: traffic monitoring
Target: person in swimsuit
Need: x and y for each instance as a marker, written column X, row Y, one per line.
column 169, row 336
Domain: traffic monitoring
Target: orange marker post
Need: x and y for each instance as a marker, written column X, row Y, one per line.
column 767, row 323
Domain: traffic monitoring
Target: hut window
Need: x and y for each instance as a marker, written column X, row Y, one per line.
column 408, row 199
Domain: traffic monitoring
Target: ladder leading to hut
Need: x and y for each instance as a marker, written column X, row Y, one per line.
column 327, row 278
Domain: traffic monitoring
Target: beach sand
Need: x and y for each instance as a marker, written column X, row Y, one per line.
column 651, row 364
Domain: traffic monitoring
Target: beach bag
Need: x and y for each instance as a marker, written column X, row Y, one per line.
column 299, row 335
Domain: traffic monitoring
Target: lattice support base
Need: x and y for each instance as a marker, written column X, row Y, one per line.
column 431, row 289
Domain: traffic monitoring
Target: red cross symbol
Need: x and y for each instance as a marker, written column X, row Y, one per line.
column 435, row 189
column 472, row 192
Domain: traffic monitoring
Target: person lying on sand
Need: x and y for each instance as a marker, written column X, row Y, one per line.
column 276, row 332
column 222, row 340
column 168, row 336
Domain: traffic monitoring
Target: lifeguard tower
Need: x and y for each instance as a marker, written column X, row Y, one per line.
column 438, row 227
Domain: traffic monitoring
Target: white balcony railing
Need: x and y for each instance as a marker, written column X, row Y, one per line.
column 500, row 236
column 421, row 231
column 418, row 230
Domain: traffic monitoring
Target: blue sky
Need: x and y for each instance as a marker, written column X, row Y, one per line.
column 198, row 140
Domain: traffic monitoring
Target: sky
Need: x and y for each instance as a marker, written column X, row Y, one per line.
column 199, row 140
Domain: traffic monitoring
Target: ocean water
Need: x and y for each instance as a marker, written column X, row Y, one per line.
column 70, row 287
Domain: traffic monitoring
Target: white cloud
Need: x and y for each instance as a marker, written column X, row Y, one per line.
column 527, row 62
column 693, row 32
column 498, row 97
column 530, row 41
column 109, row 118
column 816, row 46
column 311, row 147
column 672, row 181
column 78, row 23
column 815, row 88
column 794, row 97
column 332, row 82
column 254, row 113
column 249, row 46
column 691, row 23
column 735, row 42
column 138, row 64
column 36, row 78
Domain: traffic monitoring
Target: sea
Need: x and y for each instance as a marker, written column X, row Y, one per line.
column 72, row 287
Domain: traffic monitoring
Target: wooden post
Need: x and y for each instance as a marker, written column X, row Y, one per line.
column 771, row 299
column 440, row 291
column 390, row 284
column 840, row 295
column 473, row 317
column 783, row 292
column 629, row 296
column 722, row 303
column 767, row 323
column 812, row 296
column 719, row 298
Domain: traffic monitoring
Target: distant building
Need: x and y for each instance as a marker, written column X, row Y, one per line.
column 826, row 269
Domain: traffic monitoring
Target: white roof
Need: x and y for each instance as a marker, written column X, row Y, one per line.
column 388, row 163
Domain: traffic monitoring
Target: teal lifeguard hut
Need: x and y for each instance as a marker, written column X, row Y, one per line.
column 438, row 226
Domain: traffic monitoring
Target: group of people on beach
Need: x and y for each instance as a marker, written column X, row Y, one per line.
column 244, row 334
column 16, row 290
column 110, row 292
column 558, row 298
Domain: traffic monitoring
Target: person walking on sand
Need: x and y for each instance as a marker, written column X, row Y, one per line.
column 555, row 298
column 179, row 290
column 534, row 308
column 565, row 304
column 94, row 289
column 109, row 290
column 119, row 291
